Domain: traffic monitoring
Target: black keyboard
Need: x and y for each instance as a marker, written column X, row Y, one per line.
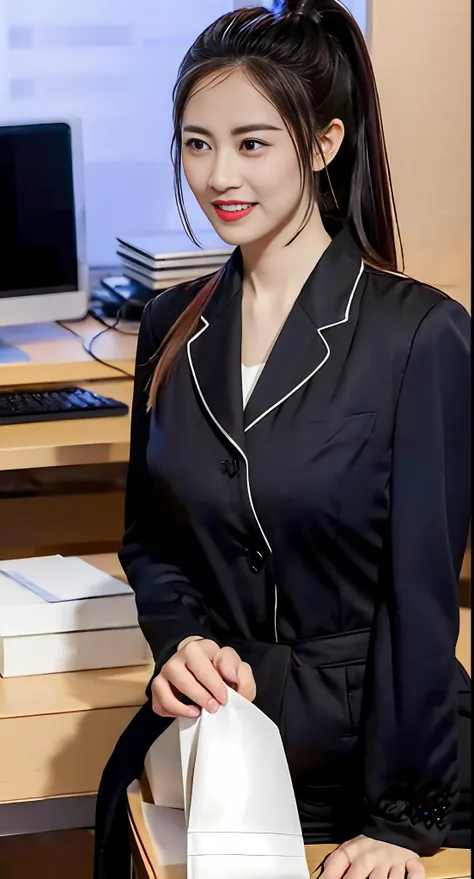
column 56, row 404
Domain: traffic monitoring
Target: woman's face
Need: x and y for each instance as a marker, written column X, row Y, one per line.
column 240, row 161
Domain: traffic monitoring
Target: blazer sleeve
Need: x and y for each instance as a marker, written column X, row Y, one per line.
column 410, row 730
column 169, row 607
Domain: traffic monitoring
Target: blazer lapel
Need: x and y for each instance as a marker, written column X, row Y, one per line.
column 321, row 321
column 214, row 354
column 298, row 351
column 320, row 324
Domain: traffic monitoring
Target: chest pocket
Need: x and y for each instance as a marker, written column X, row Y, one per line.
column 317, row 472
column 359, row 426
column 332, row 473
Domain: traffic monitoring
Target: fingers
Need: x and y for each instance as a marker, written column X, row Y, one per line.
column 226, row 663
column 230, row 666
column 189, row 684
column 383, row 872
column 166, row 704
column 396, row 872
column 336, row 864
column 198, row 659
column 246, row 683
column 188, row 641
column 189, row 673
column 361, row 868
column 366, row 858
column 200, row 670
column 415, row 868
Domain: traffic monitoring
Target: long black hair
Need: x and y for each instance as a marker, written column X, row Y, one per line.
column 311, row 60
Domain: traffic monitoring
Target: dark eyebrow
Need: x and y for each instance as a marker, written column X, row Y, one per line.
column 243, row 129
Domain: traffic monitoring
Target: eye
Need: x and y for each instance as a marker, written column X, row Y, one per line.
column 198, row 146
column 252, row 146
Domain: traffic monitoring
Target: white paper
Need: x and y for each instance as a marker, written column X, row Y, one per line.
column 167, row 829
column 55, row 578
column 240, row 819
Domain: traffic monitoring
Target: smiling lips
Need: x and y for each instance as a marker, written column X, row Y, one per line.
column 229, row 211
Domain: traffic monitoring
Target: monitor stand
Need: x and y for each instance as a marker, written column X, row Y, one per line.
column 12, row 354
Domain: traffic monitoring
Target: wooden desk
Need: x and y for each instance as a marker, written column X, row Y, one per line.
column 62, row 443
column 56, row 355
column 57, row 731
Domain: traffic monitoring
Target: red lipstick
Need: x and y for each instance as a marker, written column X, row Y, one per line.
column 231, row 215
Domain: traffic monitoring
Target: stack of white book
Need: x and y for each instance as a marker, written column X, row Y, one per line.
column 160, row 260
column 62, row 614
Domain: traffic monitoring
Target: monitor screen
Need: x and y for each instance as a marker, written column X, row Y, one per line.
column 38, row 248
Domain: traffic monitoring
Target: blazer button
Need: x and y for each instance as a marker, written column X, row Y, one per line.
column 255, row 561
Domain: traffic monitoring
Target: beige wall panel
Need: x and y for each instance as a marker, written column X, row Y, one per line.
column 421, row 55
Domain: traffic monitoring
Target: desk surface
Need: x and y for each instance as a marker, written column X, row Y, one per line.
column 57, row 356
column 54, row 354
column 78, row 441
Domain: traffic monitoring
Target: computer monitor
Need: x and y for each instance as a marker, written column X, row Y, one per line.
column 43, row 267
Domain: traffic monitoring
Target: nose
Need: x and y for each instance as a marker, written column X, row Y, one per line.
column 225, row 173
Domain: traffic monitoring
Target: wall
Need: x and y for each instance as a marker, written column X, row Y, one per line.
column 421, row 54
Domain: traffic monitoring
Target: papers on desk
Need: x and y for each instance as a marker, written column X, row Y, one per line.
column 61, row 614
column 55, row 578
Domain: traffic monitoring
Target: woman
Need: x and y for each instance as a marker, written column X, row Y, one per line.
column 297, row 502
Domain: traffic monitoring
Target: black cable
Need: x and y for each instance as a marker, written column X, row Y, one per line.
column 88, row 348
column 117, row 329
column 69, row 329
column 104, row 323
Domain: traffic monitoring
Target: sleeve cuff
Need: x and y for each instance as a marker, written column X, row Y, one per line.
column 421, row 834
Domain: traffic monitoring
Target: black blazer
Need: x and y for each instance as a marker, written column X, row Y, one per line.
column 321, row 531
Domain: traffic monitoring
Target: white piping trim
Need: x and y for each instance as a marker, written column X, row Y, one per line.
column 244, row 456
column 236, row 445
column 323, row 361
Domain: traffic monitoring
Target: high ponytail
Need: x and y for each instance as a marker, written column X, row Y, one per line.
column 360, row 172
column 310, row 58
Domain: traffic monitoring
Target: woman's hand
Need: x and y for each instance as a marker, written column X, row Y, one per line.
column 200, row 670
column 361, row 857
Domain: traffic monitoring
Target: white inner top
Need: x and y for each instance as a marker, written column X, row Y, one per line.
column 250, row 375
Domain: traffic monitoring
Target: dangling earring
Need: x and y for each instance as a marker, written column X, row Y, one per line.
column 330, row 185
column 328, row 177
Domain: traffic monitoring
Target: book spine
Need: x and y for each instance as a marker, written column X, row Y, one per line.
column 68, row 616
column 73, row 651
